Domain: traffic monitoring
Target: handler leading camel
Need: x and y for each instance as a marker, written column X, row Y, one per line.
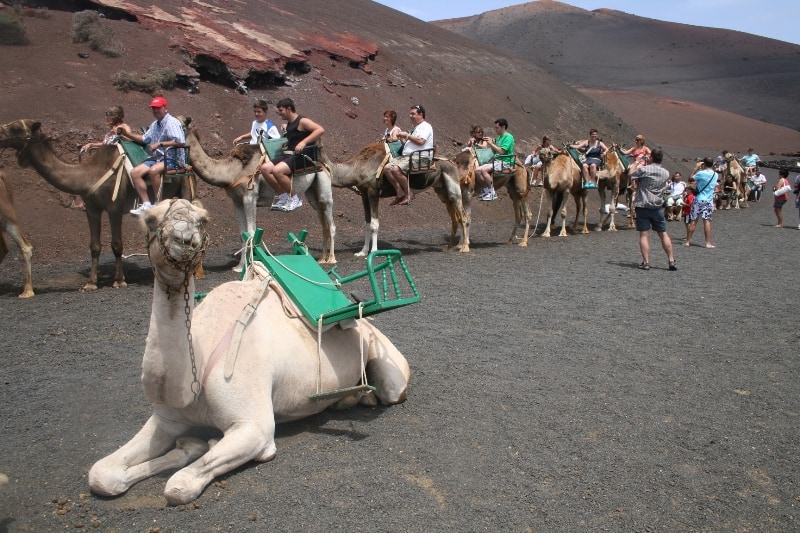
column 300, row 133
column 165, row 131
column 419, row 138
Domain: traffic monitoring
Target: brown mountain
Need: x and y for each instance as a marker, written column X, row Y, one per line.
column 609, row 50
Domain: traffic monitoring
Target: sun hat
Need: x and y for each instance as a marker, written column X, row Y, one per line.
column 158, row 101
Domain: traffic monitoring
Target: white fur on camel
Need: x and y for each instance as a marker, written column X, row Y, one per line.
column 276, row 370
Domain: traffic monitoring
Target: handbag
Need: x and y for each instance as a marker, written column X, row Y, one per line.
column 786, row 189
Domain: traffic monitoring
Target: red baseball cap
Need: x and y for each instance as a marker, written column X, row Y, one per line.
column 159, row 101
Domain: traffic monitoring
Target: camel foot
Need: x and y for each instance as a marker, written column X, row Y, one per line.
column 27, row 293
column 89, row 287
column 464, row 248
column 362, row 253
column 238, row 269
column 120, row 284
column 524, row 244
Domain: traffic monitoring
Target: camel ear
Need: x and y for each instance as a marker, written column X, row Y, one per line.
column 35, row 126
column 149, row 220
column 203, row 213
column 187, row 121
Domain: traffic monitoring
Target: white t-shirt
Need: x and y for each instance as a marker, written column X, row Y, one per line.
column 759, row 179
column 424, row 130
column 676, row 188
column 269, row 129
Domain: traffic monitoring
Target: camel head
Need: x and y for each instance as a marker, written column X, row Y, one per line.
column 545, row 155
column 19, row 133
column 176, row 238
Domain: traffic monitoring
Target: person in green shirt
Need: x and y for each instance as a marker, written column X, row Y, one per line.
column 503, row 147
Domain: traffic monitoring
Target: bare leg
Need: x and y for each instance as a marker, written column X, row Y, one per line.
column 644, row 245
column 779, row 214
column 707, row 232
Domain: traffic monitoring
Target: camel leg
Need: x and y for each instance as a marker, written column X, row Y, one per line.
column 242, row 442
column 370, row 201
column 154, row 449
column 93, row 216
column 322, row 195
column 25, row 249
column 387, row 369
column 563, row 211
column 526, row 215
column 115, row 222
column 550, row 212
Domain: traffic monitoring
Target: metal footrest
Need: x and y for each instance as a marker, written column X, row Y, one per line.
column 341, row 393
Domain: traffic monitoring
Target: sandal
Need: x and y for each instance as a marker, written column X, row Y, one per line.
column 672, row 265
column 644, row 266
column 397, row 200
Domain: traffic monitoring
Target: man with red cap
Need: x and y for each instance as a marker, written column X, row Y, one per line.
column 165, row 132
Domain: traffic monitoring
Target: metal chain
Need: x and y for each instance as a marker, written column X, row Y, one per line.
column 188, row 310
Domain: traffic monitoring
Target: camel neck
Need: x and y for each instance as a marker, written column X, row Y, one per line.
column 167, row 366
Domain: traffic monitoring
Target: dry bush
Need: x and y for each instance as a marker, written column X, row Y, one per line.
column 12, row 31
column 158, row 79
column 87, row 26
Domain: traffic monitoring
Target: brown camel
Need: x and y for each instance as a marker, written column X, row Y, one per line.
column 239, row 175
column 609, row 179
column 740, row 178
column 93, row 179
column 516, row 183
column 8, row 225
column 561, row 176
column 364, row 172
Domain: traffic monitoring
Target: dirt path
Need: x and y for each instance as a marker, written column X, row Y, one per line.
column 554, row 388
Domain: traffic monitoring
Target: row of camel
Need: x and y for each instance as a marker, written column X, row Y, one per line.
column 452, row 180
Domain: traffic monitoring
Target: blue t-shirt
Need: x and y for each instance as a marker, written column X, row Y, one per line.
column 705, row 180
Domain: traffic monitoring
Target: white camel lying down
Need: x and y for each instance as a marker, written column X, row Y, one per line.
column 277, row 368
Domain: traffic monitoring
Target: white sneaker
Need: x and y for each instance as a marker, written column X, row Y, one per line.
column 280, row 202
column 141, row 209
column 294, row 203
column 489, row 196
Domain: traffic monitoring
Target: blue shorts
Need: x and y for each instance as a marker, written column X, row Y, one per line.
column 594, row 161
column 778, row 204
column 171, row 164
column 650, row 218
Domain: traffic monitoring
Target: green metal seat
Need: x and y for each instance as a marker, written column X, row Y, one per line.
column 318, row 294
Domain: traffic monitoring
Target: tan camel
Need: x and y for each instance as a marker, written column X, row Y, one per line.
column 364, row 172
column 561, row 176
column 113, row 196
column 740, row 178
column 517, row 184
column 609, row 179
column 279, row 366
column 8, row 225
column 238, row 174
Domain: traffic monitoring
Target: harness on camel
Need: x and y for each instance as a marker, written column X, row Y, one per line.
column 310, row 294
column 132, row 154
column 421, row 165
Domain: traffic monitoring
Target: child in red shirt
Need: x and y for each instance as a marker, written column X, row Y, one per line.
column 687, row 207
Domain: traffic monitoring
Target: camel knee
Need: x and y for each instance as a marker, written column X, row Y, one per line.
column 107, row 478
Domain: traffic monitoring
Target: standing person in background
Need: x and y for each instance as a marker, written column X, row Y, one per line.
column 419, row 138
column 166, row 131
column 300, row 133
column 115, row 119
column 261, row 127
column 688, row 200
column 503, row 146
column 797, row 195
column 651, row 183
column 705, row 179
column 780, row 199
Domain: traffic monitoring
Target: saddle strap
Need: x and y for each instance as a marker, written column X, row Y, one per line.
column 241, row 323
column 115, row 168
column 247, row 178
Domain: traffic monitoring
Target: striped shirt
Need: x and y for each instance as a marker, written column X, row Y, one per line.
column 168, row 128
column 652, row 180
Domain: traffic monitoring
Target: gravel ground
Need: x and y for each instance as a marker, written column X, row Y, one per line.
column 554, row 388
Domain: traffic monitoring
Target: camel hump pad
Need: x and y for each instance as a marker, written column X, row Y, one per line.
column 383, row 285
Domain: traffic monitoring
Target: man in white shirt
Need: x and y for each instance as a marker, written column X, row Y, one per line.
column 419, row 138
column 757, row 183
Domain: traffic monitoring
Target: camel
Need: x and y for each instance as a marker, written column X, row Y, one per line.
column 610, row 178
column 239, row 175
column 280, row 364
column 740, row 178
column 364, row 173
column 8, row 225
column 561, row 176
column 115, row 196
column 517, row 184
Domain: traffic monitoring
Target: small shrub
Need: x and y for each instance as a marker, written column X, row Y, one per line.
column 157, row 80
column 12, row 31
column 87, row 26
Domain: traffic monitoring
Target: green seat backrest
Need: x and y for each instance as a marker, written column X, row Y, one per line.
column 484, row 155
column 273, row 147
column 135, row 151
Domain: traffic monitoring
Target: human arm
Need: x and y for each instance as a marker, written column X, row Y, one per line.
column 315, row 133
column 392, row 135
column 127, row 132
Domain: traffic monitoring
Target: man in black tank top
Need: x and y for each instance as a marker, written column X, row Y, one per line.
column 300, row 132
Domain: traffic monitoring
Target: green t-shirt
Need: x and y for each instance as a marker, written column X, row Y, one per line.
column 506, row 142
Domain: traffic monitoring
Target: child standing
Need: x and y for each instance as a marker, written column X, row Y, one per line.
column 687, row 208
